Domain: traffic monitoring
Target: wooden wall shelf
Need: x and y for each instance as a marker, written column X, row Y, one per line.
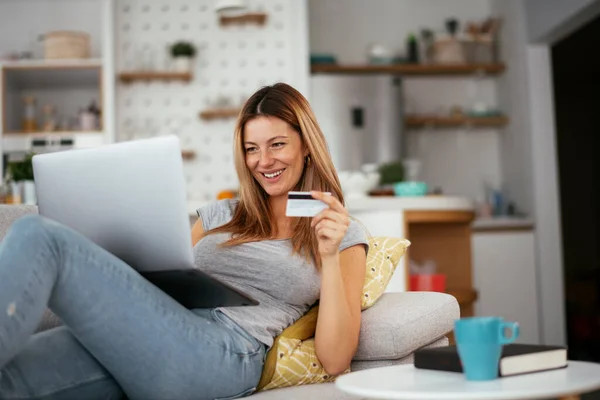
column 409, row 69
column 52, row 64
column 249, row 18
column 421, row 121
column 131, row 76
column 219, row 113
column 49, row 133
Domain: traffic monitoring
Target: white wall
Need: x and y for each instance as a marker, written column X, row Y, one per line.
column 513, row 96
column 332, row 98
column 231, row 62
column 21, row 22
column 460, row 161
column 457, row 160
column 347, row 27
column 549, row 20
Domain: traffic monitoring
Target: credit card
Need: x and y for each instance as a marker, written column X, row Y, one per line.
column 302, row 204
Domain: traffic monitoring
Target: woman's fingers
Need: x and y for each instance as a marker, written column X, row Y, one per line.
column 341, row 219
column 330, row 200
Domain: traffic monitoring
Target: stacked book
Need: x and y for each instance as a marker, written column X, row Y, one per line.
column 516, row 359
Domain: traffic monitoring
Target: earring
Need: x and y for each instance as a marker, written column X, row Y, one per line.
column 307, row 160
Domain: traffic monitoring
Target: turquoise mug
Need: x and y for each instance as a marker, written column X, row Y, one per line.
column 479, row 342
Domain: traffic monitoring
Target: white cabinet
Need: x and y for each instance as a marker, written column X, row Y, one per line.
column 505, row 277
column 415, row 218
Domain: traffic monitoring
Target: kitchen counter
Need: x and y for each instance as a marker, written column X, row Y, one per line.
column 497, row 224
column 421, row 203
column 361, row 205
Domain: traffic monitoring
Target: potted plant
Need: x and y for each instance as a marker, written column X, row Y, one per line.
column 183, row 52
column 391, row 173
column 21, row 175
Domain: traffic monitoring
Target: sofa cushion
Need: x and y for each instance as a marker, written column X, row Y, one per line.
column 328, row 391
column 400, row 323
column 321, row 391
column 292, row 360
column 10, row 213
column 409, row 359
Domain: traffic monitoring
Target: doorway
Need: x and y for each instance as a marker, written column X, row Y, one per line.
column 576, row 76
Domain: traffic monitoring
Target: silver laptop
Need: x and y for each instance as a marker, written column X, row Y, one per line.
column 130, row 199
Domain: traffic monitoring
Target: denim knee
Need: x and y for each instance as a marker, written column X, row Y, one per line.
column 28, row 224
column 33, row 229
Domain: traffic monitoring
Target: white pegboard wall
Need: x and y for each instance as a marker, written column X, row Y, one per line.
column 231, row 63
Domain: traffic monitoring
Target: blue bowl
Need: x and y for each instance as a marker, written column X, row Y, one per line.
column 410, row 189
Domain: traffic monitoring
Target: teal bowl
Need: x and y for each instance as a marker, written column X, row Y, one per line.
column 322, row 59
column 410, row 189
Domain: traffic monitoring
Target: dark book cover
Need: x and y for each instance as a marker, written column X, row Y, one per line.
column 515, row 359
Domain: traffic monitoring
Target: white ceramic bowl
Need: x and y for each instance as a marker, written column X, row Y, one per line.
column 358, row 184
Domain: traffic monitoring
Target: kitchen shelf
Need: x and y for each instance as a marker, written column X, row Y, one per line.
column 421, row 121
column 219, row 113
column 131, row 76
column 50, row 82
column 249, row 18
column 409, row 69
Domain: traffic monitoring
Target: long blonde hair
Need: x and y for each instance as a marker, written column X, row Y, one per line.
column 252, row 217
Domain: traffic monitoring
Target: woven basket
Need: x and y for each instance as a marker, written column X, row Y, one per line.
column 66, row 44
column 476, row 50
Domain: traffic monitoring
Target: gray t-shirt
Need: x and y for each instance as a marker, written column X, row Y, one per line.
column 286, row 285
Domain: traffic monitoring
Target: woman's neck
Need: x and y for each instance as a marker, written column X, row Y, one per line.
column 278, row 205
column 280, row 222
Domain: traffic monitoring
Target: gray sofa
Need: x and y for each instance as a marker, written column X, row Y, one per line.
column 391, row 330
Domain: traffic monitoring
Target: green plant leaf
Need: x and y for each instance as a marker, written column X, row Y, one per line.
column 21, row 170
column 183, row 49
column 391, row 172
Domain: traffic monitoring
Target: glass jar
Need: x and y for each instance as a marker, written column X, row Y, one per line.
column 10, row 192
column 29, row 122
column 50, row 124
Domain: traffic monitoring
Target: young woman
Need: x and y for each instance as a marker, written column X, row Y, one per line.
column 123, row 336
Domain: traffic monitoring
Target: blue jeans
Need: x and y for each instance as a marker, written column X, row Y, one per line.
column 122, row 336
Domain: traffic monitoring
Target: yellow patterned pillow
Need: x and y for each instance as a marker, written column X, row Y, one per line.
column 292, row 360
column 383, row 257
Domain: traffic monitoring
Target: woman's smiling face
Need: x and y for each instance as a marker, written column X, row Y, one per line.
column 274, row 154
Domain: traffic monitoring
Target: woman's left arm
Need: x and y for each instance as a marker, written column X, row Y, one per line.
column 342, row 279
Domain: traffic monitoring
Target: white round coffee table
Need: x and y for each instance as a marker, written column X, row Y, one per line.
column 405, row 382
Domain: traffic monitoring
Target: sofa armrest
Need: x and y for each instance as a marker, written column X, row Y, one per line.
column 400, row 323
column 10, row 213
